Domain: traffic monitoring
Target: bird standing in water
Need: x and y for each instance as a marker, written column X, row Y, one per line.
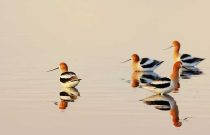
column 67, row 79
column 186, row 59
column 165, row 85
column 143, row 64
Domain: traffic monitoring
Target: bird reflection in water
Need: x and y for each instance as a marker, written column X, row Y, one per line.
column 176, row 75
column 67, row 95
column 143, row 78
column 165, row 103
column 189, row 72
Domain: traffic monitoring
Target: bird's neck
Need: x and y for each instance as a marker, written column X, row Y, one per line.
column 135, row 66
column 176, row 54
column 175, row 74
column 63, row 70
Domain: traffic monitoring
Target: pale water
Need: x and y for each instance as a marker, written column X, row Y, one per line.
column 93, row 37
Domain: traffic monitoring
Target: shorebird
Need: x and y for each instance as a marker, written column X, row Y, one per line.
column 143, row 64
column 67, row 79
column 186, row 59
column 165, row 85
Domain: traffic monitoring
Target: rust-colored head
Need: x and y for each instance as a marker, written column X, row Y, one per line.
column 176, row 45
column 63, row 67
column 135, row 57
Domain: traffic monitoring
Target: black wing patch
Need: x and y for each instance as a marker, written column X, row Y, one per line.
column 143, row 80
column 192, row 60
column 68, row 73
column 161, row 86
column 144, row 60
column 150, row 65
column 64, row 80
column 164, row 79
column 185, row 56
column 157, row 102
column 63, row 93
column 159, row 62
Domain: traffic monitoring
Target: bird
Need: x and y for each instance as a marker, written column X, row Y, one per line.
column 67, row 79
column 186, row 59
column 165, row 85
column 143, row 64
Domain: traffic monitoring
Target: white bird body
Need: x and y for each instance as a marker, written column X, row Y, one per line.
column 69, row 79
column 161, row 86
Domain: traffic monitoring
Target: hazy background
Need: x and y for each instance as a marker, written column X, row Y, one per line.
column 92, row 36
column 93, row 27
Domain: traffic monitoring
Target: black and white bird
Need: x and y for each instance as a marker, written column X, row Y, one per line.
column 67, row 79
column 186, row 59
column 143, row 64
column 165, row 85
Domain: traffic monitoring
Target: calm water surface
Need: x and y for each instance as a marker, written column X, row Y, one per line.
column 105, row 101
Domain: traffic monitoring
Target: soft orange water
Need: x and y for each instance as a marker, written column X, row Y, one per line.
column 93, row 37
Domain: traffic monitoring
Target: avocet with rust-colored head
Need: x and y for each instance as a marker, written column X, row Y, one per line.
column 143, row 64
column 67, row 79
column 186, row 59
column 165, row 85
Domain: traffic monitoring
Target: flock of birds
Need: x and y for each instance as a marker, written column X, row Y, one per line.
column 162, row 85
column 159, row 85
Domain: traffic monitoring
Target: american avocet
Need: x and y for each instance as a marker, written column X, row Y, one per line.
column 165, row 85
column 67, row 79
column 165, row 103
column 143, row 78
column 143, row 64
column 186, row 59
